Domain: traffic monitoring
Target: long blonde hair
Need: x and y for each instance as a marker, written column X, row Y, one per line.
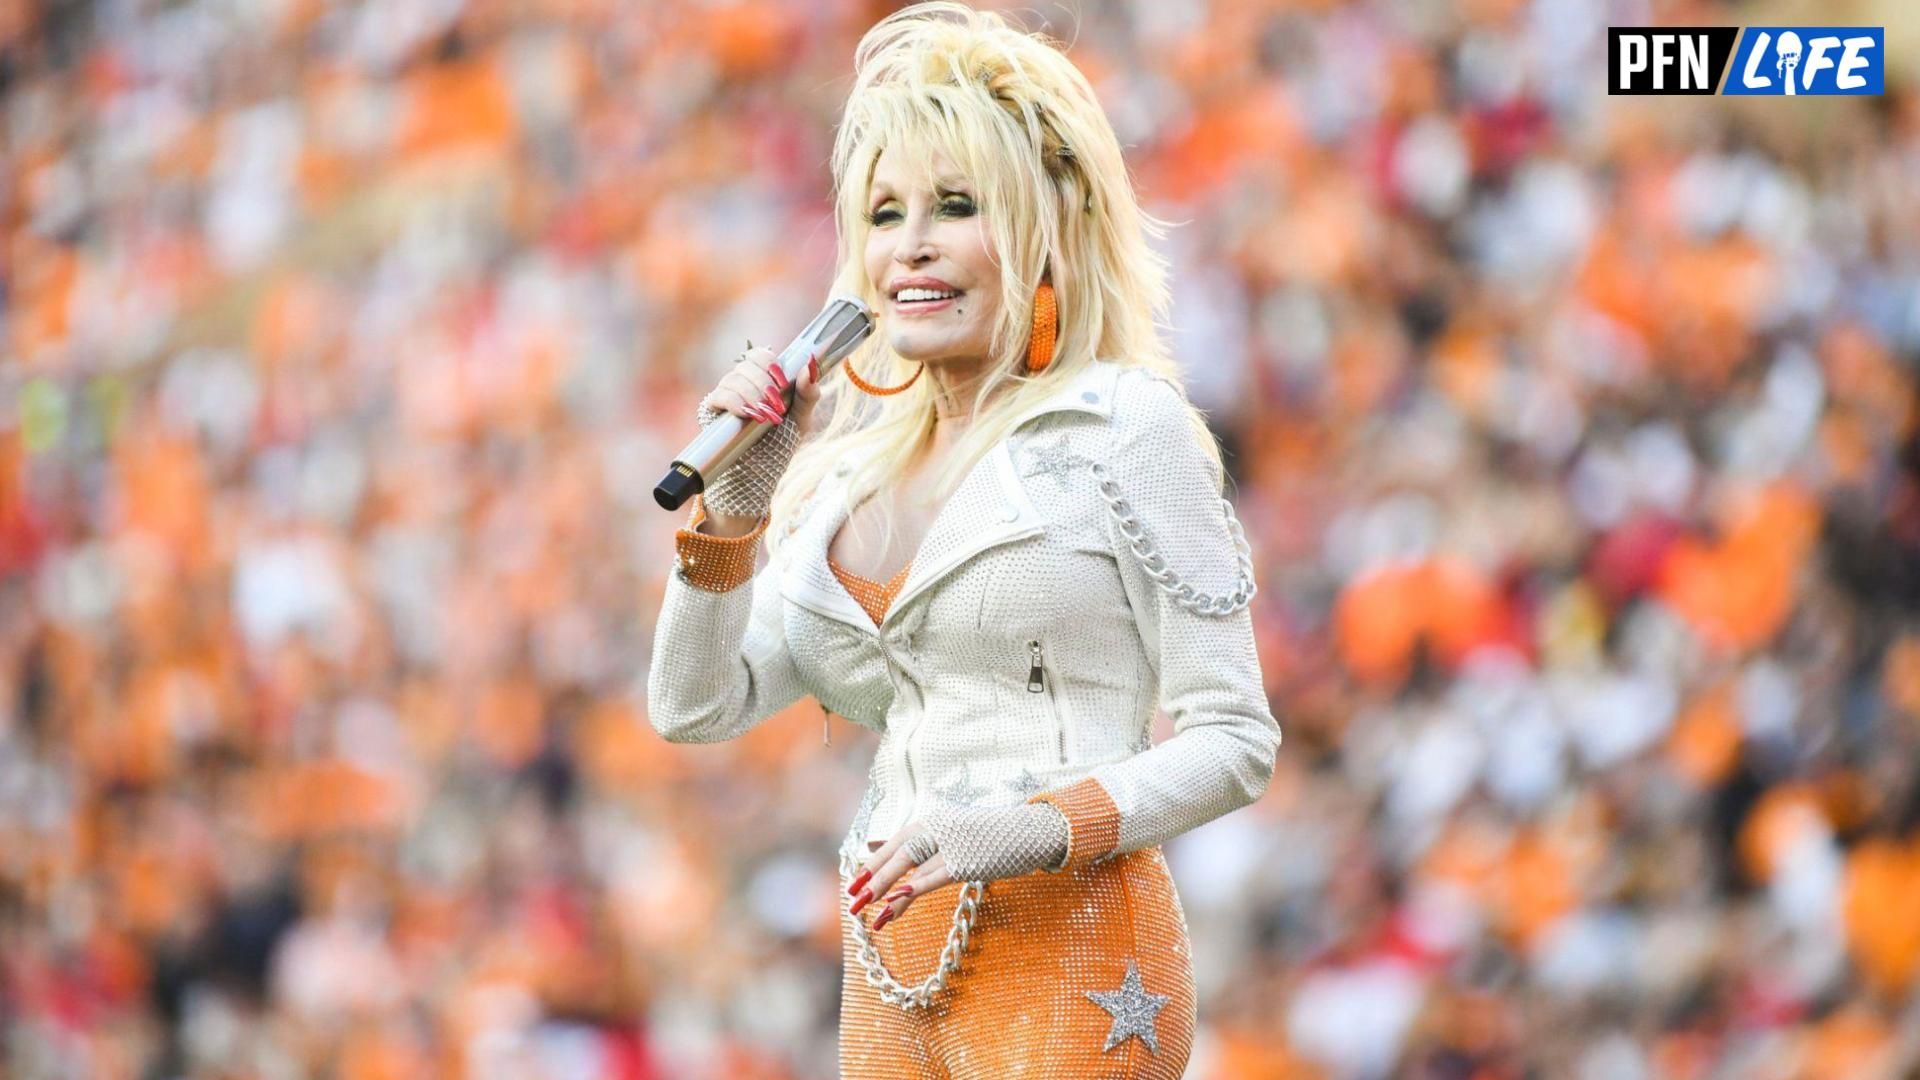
column 1021, row 122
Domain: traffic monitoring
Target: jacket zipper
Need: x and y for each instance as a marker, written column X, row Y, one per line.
column 906, row 744
column 906, row 763
column 1037, row 684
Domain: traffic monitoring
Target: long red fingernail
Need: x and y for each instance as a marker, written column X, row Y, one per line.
column 773, row 402
column 859, row 880
column 779, row 376
column 813, row 368
column 865, row 898
column 882, row 920
column 904, row 890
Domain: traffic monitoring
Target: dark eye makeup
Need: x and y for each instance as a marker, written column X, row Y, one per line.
column 955, row 204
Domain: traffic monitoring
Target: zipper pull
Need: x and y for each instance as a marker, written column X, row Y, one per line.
column 1036, row 675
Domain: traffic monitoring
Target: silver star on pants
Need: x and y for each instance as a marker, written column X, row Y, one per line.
column 1133, row 1010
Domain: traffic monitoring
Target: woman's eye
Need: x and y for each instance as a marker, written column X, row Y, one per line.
column 952, row 207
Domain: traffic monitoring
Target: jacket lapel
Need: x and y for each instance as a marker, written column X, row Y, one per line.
column 811, row 583
column 989, row 508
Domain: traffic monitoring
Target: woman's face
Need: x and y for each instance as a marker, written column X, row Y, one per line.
column 932, row 238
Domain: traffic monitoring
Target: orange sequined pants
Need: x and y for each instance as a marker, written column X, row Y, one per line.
column 1019, row 1006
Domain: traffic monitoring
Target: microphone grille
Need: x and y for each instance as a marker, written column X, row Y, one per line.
column 844, row 323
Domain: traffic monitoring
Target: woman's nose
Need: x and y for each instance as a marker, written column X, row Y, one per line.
column 914, row 254
column 913, row 247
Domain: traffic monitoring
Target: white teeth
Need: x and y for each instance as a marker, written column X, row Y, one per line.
column 905, row 295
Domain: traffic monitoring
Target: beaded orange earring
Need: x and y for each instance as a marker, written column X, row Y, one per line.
column 1046, row 327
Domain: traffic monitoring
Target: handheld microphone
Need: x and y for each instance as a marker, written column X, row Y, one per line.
column 844, row 323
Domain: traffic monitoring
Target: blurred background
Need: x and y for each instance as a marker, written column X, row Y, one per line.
column 344, row 341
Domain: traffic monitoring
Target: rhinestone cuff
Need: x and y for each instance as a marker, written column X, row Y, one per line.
column 1093, row 821
column 715, row 563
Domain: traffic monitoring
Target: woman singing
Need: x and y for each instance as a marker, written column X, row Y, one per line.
column 1000, row 544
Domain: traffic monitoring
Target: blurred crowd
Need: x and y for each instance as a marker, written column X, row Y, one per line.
column 343, row 342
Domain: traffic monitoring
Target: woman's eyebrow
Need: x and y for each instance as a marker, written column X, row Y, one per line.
column 944, row 183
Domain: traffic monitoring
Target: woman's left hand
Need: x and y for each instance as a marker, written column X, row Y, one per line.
column 890, row 875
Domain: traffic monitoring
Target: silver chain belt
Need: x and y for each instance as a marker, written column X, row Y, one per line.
column 893, row 991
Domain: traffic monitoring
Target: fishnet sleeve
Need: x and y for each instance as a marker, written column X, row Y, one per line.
column 987, row 843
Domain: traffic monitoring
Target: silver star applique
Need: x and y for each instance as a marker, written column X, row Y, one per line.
column 1057, row 459
column 961, row 790
column 1026, row 783
column 1133, row 1010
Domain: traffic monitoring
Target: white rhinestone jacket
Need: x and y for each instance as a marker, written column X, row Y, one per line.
column 1084, row 574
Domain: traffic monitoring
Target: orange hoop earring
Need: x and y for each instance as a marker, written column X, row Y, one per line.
column 880, row 391
column 1046, row 327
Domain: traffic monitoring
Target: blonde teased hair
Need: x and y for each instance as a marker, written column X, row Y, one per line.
column 1021, row 122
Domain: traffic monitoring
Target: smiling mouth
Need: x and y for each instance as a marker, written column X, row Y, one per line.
column 924, row 299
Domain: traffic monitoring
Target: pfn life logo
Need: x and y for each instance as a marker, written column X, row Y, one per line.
column 1790, row 61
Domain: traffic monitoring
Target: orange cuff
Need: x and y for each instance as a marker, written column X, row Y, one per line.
column 715, row 563
column 1093, row 821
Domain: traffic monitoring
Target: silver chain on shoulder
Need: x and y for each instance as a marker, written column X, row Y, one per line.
column 893, row 991
column 1156, row 566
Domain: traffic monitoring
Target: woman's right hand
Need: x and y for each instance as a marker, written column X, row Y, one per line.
column 737, row 499
column 755, row 389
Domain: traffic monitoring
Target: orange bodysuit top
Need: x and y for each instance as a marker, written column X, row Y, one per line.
column 873, row 596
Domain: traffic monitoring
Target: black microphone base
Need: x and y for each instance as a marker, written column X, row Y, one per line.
column 680, row 484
